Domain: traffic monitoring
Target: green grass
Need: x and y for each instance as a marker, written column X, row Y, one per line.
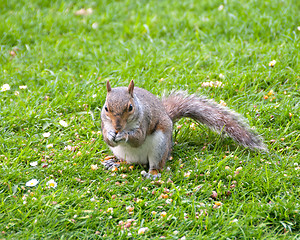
column 162, row 45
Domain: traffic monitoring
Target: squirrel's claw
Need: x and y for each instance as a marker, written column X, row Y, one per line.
column 150, row 176
column 109, row 164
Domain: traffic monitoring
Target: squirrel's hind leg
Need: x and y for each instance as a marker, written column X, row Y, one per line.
column 158, row 154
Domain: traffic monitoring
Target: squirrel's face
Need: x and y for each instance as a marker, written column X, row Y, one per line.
column 119, row 108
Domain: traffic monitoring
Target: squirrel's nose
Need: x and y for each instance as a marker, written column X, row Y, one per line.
column 118, row 125
column 118, row 128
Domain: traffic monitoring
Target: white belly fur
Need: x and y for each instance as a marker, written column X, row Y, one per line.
column 140, row 154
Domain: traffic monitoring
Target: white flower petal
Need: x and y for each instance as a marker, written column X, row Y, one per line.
column 32, row 183
column 95, row 25
column 5, row 87
column 143, row 230
column 272, row 63
column 33, row 164
column 221, row 7
column 63, row 123
column 46, row 134
column 51, row 183
column 221, row 76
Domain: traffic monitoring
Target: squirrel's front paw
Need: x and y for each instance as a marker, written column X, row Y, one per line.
column 121, row 136
column 110, row 164
column 111, row 136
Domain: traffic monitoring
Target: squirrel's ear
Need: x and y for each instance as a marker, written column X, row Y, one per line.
column 108, row 86
column 130, row 88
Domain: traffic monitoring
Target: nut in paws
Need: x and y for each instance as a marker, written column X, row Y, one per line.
column 121, row 136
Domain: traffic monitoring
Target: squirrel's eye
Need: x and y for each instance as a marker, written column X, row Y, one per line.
column 130, row 108
column 106, row 109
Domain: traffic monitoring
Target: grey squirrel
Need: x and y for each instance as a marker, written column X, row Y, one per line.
column 138, row 126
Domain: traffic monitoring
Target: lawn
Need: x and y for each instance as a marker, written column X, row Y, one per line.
column 55, row 59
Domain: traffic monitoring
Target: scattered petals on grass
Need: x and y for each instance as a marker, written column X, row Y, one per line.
column 212, row 84
column 223, row 103
column 126, row 224
column 93, row 199
column 49, row 146
column 129, row 208
column 12, row 54
column 46, row 134
column 153, row 213
column 110, row 210
column 239, row 169
column 187, row 174
column 23, row 87
column 217, row 205
column 17, row 93
column 143, row 230
column 272, row 63
column 78, row 154
column 168, row 201
column 221, row 7
column 221, row 76
column 63, row 123
column 5, row 87
column 33, row 164
column 51, row 183
column 95, row 25
column 32, row 183
column 234, row 220
column 94, row 167
column 214, row 194
column 70, row 148
column 298, row 28
column 163, row 214
column 178, row 127
column 84, row 12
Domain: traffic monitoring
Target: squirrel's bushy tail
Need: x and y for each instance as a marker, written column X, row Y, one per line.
column 215, row 116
